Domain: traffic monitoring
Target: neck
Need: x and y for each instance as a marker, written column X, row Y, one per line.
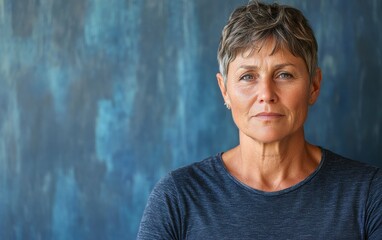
column 273, row 166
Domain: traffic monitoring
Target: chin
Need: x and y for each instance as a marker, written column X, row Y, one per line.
column 268, row 135
column 268, row 140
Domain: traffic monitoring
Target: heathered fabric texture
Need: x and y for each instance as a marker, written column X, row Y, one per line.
column 342, row 199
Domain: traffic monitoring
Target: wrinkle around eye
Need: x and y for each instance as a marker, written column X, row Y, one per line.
column 247, row 77
column 285, row 75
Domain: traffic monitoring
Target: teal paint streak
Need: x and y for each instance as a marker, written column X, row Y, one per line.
column 104, row 133
column 9, row 158
column 104, row 25
column 181, row 139
column 59, row 83
column 112, row 123
column 114, row 114
column 66, row 222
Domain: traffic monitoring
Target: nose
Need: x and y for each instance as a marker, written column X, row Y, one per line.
column 266, row 92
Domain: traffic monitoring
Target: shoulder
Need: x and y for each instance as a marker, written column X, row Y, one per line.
column 348, row 177
column 345, row 167
column 358, row 181
column 202, row 167
column 359, row 176
column 186, row 175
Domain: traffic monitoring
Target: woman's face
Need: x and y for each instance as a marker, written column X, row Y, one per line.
column 269, row 94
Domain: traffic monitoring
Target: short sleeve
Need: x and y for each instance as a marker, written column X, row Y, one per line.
column 374, row 208
column 161, row 218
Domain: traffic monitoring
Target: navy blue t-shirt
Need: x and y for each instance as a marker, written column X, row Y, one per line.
column 342, row 199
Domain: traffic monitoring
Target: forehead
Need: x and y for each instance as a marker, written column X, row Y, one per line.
column 269, row 52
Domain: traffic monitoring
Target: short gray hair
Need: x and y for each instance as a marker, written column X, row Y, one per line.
column 256, row 22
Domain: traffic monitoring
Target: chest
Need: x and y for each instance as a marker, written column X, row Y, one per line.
column 314, row 216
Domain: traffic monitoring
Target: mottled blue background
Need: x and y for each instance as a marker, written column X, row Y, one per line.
column 100, row 98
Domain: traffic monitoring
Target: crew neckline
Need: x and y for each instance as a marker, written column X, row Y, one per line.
column 275, row 193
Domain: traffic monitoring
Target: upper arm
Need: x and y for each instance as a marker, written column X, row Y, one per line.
column 161, row 218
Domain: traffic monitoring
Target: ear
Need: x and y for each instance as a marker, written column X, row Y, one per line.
column 315, row 86
column 223, row 88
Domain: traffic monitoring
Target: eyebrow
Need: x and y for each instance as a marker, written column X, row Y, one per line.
column 277, row 66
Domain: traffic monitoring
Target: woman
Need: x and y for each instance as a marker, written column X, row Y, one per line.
column 274, row 184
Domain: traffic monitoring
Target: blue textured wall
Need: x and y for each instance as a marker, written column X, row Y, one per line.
column 100, row 98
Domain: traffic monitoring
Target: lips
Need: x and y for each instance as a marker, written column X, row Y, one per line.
column 269, row 116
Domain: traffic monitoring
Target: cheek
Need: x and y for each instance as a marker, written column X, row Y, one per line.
column 297, row 102
column 241, row 104
column 299, row 108
column 242, row 97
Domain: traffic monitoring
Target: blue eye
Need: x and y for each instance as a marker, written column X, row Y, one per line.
column 247, row 77
column 285, row 75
